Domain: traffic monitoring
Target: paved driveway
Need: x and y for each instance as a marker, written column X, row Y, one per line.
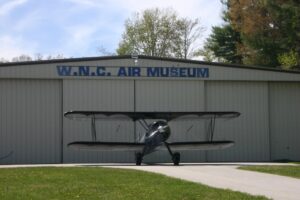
column 227, row 176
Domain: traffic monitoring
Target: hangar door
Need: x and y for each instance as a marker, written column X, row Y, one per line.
column 98, row 95
column 250, row 131
column 173, row 95
column 284, row 121
column 30, row 121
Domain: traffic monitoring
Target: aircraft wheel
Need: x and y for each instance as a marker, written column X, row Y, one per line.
column 176, row 158
column 138, row 158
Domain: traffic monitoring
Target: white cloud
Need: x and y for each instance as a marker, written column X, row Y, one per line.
column 77, row 27
column 78, row 39
column 11, row 47
column 88, row 3
column 209, row 12
column 6, row 8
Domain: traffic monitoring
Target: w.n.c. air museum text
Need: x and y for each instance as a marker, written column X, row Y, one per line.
column 101, row 71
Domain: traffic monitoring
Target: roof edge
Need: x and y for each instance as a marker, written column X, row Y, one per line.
column 150, row 58
column 64, row 60
column 219, row 64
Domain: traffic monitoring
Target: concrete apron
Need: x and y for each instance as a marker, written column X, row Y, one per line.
column 229, row 177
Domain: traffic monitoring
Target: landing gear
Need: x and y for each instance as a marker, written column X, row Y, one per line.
column 138, row 158
column 176, row 158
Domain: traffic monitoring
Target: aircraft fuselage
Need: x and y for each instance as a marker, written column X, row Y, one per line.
column 156, row 135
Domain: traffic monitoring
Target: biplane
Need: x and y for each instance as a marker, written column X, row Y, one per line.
column 156, row 133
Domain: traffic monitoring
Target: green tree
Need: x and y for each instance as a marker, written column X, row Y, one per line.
column 286, row 15
column 222, row 43
column 268, row 29
column 289, row 60
column 189, row 33
column 160, row 32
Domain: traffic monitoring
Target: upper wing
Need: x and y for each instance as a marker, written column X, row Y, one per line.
column 213, row 145
column 149, row 115
column 107, row 146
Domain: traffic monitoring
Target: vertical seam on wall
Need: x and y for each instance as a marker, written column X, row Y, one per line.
column 134, row 109
column 270, row 118
column 62, row 121
column 205, row 109
column 269, row 122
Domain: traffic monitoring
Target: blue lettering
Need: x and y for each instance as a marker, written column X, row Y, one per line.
column 174, row 72
column 64, row 70
column 134, row 71
column 101, row 71
column 182, row 72
column 191, row 72
column 164, row 72
column 122, row 71
column 202, row 72
column 84, row 70
column 153, row 71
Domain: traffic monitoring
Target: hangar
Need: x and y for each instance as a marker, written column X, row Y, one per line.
column 34, row 96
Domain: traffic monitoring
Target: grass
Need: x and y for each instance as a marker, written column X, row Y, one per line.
column 102, row 183
column 298, row 163
column 287, row 170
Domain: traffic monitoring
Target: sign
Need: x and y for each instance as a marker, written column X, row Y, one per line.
column 101, row 71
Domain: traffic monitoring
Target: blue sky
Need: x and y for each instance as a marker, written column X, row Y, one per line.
column 77, row 28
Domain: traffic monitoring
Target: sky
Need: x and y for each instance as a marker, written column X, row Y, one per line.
column 78, row 28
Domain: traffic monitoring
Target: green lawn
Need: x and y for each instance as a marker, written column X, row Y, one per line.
column 287, row 170
column 298, row 163
column 102, row 183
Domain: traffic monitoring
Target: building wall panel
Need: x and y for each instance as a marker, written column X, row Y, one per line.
column 284, row 120
column 250, row 131
column 30, row 121
column 98, row 95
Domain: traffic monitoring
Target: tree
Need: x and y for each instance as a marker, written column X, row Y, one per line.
column 3, row 60
column 189, row 32
column 38, row 56
column 22, row 58
column 157, row 32
column 268, row 29
column 286, row 15
column 104, row 52
column 222, row 43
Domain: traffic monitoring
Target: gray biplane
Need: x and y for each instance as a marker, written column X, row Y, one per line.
column 156, row 133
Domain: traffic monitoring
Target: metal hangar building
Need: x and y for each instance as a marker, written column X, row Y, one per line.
column 34, row 96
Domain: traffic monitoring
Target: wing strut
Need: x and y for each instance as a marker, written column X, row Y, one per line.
column 144, row 124
column 93, row 129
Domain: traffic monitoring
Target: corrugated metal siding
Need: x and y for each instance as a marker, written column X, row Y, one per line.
column 173, row 96
column 250, row 131
column 101, row 95
column 30, row 121
column 285, row 120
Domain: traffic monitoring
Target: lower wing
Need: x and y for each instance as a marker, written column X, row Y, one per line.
column 107, row 146
column 215, row 145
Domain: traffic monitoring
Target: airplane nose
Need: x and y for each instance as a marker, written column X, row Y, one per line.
column 162, row 128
